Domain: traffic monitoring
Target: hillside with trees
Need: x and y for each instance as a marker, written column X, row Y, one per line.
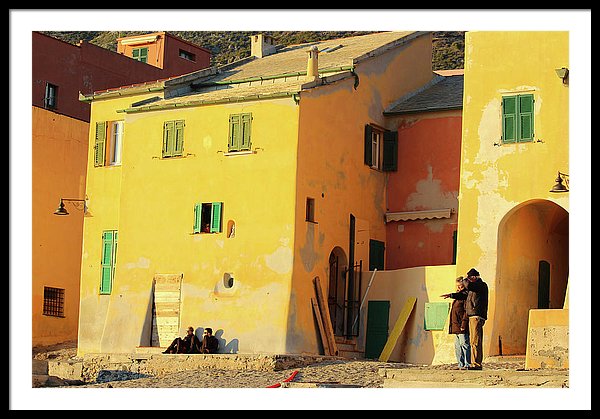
column 228, row 46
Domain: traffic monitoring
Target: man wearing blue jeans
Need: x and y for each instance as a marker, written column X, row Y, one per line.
column 459, row 325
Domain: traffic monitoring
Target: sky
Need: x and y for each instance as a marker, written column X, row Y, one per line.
column 23, row 21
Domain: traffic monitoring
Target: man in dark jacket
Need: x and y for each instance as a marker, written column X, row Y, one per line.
column 209, row 344
column 185, row 345
column 476, row 306
column 459, row 325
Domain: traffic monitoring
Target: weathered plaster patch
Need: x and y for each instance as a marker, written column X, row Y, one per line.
column 491, row 209
column 280, row 260
column 142, row 262
column 429, row 195
column 308, row 255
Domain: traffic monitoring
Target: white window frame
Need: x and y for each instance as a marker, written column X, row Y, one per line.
column 376, row 145
column 116, row 142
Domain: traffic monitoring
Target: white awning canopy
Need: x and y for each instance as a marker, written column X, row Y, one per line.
column 418, row 215
column 139, row 40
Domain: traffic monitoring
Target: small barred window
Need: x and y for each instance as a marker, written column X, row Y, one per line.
column 54, row 302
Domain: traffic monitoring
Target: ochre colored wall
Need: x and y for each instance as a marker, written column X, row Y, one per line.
column 497, row 179
column 164, row 54
column 58, row 171
column 427, row 178
column 415, row 345
column 150, row 201
column 331, row 170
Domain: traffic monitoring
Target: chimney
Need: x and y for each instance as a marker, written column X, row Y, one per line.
column 312, row 68
column 261, row 45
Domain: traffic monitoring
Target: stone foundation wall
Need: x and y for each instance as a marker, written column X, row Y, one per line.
column 111, row 367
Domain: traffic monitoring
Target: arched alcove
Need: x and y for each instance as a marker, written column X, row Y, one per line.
column 532, row 270
column 338, row 265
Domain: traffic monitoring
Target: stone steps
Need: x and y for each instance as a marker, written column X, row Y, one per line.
column 435, row 378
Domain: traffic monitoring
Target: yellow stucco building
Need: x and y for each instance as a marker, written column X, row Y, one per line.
column 512, row 228
column 218, row 196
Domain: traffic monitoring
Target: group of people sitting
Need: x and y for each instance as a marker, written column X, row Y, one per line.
column 190, row 344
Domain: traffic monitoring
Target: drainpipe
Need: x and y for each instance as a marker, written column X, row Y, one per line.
column 362, row 303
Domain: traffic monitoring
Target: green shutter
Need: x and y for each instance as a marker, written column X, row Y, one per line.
column 246, row 125
column 100, row 144
column 215, row 217
column 144, row 55
column 197, row 218
column 140, row 54
column 368, row 149
column 525, row 117
column 107, row 262
column 168, row 137
column 390, row 151
column 435, row 315
column 234, row 133
column 509, row 119
column 178, row 138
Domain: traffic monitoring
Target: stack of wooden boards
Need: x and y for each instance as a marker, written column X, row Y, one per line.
column 321, row 311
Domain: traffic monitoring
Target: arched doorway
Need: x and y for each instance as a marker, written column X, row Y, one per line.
column 338, row 266
column 532, row 270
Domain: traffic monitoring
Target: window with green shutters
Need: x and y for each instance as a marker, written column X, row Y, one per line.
column 108, row 261
column 240, row 128
column 140, row 54
column 108, row 142
column 517, row 118
column 173, row 138
column 207, row 217
column 381, row 148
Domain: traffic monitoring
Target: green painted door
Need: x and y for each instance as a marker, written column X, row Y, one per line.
column 543, row 285
column 376, row 255
column 378, row 316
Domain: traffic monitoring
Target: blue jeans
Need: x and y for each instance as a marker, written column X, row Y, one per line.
column 462, row 349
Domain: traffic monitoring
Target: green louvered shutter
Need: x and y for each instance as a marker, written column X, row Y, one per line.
column 107, row 262
column 99, row 144
column 168, row 138
column 509, row 119
column 525, row 117
column 215, row 217
column 435, row 315
column 368, row 146
column 140, row 54
column 390, row 151
column 197, row 217
column 178, row 138
column 246, row 124
column 234, row 133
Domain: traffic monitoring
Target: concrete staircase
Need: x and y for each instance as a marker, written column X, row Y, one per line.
column 348, row 348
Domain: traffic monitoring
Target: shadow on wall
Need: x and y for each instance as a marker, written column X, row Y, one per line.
column 225, row 347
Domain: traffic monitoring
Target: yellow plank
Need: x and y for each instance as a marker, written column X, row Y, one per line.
column 398, row 327
column 321, row 327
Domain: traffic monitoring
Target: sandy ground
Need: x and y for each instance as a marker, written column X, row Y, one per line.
column 335, row 373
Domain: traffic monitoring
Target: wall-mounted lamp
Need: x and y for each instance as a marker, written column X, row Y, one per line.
column 563, row 73
column 77, row 203
column 558, row 186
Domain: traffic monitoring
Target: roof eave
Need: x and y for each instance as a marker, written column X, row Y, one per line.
column 424, row 109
